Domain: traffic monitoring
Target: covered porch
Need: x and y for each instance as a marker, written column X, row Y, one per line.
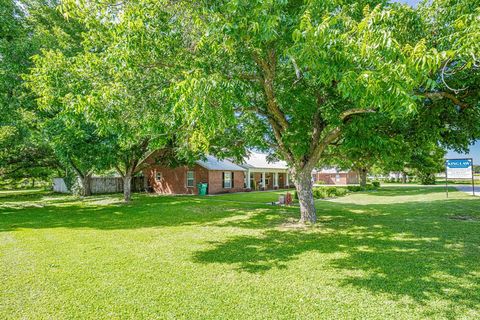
column 267, row 179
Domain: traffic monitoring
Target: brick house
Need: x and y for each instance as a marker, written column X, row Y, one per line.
column 255, row 172
column 222, row 176
column 334, row 176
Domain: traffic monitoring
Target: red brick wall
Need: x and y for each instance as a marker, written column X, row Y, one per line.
column 345, row 178
column 174, row 180
column 330, row 178
column 352, row 178
column 215, row 183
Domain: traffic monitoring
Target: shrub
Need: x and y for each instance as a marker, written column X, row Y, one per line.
column 376, row 184
column 426, row 178
column 320, row 193
column 341, row 192
column 354, row 188
column 326, row 192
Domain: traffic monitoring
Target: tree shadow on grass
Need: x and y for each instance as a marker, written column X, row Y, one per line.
column 28, row 195
column 409, row 249
column 145, row 212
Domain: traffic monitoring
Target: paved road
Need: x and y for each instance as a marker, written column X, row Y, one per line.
column 468, row 189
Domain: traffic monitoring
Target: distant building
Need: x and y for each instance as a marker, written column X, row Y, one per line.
column 334, row 176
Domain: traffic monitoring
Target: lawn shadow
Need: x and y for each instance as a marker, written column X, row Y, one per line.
column 145, row 211
column 409, row 249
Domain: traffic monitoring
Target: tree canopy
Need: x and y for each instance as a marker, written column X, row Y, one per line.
column 300, row 79
column 306, row 72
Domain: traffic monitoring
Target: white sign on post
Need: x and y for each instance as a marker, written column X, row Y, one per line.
column 459, row 169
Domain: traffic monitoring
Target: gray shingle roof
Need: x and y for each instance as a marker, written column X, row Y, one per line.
column 259, row 161
column 212, row 163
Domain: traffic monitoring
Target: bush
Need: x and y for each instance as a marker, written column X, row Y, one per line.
column 341, row 192
column 376, row 184
column 354, row 188
column 328, row 192
column 426, row 178
column 320, row 193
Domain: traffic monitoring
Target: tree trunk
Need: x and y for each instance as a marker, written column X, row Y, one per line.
column 86, row 182
column 33, row 182
column 145, row 184
column 127, row 187
column 404, row 177
column 303, row 184
column 363, row 177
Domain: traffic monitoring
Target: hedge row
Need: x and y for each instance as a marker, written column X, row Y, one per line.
column 334, row 192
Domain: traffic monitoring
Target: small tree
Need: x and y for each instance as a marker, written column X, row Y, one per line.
column 119, row 79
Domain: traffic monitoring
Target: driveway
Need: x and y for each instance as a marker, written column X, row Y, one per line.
column 468, row 189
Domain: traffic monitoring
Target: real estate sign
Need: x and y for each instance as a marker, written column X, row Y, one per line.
column 459, row 168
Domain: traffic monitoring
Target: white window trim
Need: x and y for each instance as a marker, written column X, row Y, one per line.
column 193, row 179
column 225, row 180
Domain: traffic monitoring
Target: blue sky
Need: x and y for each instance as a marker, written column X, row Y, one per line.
column 410, row 2
column 474, row 153
column 475, row 149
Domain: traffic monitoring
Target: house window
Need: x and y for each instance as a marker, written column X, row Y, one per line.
column 190, row 179
column 337, row 178
column 158, row 176
column 227, row 180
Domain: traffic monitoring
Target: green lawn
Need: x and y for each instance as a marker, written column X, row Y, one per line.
column 398, row 253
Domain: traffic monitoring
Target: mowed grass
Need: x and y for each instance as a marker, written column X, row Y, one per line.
column 398, row 253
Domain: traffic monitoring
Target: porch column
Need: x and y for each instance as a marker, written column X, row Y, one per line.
column 287, row 183
column 275, row 180
column 263, row 180
column 248, row 179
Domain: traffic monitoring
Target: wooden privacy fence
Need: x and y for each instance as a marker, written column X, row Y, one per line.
column 103, row 185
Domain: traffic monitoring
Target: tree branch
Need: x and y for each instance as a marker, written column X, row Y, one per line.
column 322, row 145
column 267, row 82
column 76, row 169
column 346, row 115
column 298, row 72
column 119, row 171
column 449, row 96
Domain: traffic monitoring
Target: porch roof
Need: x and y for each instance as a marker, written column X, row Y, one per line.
column 260, row 161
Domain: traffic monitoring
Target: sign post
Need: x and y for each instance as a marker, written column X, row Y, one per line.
column 459, row 169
